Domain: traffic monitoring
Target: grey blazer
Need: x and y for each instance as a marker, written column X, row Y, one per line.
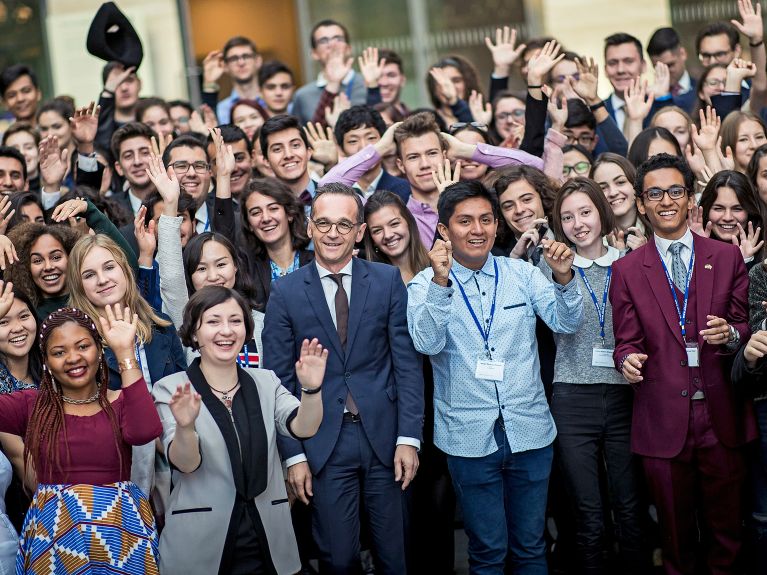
column 201, row 502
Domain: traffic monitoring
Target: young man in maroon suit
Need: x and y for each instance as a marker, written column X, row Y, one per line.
column 680, row 310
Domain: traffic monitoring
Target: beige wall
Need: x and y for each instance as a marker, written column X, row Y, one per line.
column 582, row 25
column 76, row 73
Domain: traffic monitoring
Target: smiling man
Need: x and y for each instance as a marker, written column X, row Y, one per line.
column 491, row 417
column 366, row 447
column 680, row 310
column 131, row 147
column 20, row 92
column 188, row 158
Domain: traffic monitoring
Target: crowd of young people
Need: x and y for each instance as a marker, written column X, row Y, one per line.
column 308, row 329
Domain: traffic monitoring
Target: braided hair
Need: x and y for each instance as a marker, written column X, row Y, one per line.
column 47, row 420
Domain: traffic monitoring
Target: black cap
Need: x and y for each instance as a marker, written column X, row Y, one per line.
column 111, row 37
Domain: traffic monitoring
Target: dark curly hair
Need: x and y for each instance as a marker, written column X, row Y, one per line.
column 47, row 420
column 23, row 238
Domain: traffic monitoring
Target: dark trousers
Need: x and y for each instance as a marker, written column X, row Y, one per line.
column 702, row 487
column 594, row 426
column 353, row 472
column 757, row 519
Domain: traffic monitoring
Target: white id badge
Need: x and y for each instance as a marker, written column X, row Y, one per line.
column 692, row 354
column 602, row 357
column 488, row 369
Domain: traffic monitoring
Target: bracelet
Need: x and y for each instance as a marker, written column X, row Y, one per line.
column 623, row 360
column 210, row 87
column 536, row 87
column 308, row 391
column 127, row 364
column 595, row 107
column 759, row 43
column 108, row 91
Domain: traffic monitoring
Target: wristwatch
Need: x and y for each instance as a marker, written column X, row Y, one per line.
column 734, row 335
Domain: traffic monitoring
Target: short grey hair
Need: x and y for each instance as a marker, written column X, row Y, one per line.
column 339, row 189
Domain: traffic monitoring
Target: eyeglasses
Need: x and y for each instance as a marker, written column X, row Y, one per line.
column 182, row 166
column 580, row 168
column 325, row 40
column 514, row 114
column 343, row 227
column 714, row 83
column 656, row 194
column 560, row 79
column 239, row 58
column 718, row 56
column 461, row 125
column 584, row 139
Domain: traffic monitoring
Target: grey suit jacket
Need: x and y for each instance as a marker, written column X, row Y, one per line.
column 201, row 502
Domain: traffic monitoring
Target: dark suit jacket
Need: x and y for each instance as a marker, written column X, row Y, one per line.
column 164, row 355
column 656, row 105
column 640, row 297
column 687, row 100
column 399, row 186
column 261, row 272
column 379, row 365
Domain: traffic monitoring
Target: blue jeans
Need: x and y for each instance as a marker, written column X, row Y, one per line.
column 503, row 497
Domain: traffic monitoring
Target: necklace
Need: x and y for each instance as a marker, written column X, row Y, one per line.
column 225, row 395
column 85, row 401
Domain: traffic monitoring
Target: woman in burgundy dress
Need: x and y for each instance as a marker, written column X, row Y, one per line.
column 85, row 517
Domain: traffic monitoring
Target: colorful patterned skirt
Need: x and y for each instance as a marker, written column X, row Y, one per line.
column 93, row 529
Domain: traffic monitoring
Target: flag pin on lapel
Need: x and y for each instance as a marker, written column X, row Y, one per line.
column 708, row 266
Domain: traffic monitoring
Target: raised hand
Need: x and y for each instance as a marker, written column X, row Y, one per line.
column 224, row 154
column 504, row 51
column 371, row 67
column 556, row 107
column 705, row 176
column 726, row 157
column 482, row 114
column 695, row 159
column 748, row 242
column 323, row 144
column 638, row 100
column 445, row 88
column 164, row 181
column 386, row 144
column 737, row 71
column 531, row 237
column 53, row 162
column 6, row 213
column 117, row 76
column 446, row 177
column 145, row 237
column 662, row 85
column 559, row 257
column 6, row 298
column 541, row 64
column 185, row 406
column 213, row 67
column 201, row 123
column 337, row 67
column 85, row 124
column 69, row 209
column 588, row 80
column 310, row 367
column 695, row 221
column 441, row 258
column 119, row 330
column 341, row 103
column 751, row 26
column 706, row 136
column 7, row 253
column 456, row 149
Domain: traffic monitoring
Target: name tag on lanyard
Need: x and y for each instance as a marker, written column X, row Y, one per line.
column 489, row 370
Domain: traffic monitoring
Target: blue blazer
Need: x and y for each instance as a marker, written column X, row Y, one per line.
column 380, row 365
column 164, row 354
column 399, row 186
column 656, row 105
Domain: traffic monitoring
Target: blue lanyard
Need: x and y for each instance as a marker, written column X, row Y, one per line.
column 601, row 311
column 207, row 224
column 277, row 272
column 484, row 331
column 244, row 362
column 683, row 312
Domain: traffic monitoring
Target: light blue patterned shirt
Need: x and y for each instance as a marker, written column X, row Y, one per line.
column 466, row 408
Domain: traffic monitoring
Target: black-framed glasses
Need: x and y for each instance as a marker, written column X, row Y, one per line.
column 656, row 194
column 716, row 56
column 182, row 166
column 343, row 227
column 461, row 125
column 325, row 40
column 239, row 57
column 579, row 168
column 584, row 140
column 513, row 115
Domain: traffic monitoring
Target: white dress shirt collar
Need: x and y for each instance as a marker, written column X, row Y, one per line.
column 603, row 261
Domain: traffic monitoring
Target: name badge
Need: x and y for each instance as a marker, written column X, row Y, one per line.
column 490, row 370
column 692, row 355
column 602, row 357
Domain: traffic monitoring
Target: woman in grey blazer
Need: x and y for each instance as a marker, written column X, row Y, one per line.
column 228, row 509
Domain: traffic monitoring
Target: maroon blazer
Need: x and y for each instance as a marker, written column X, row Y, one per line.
column 645, row 320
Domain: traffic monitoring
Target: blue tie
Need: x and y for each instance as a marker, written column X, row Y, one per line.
column 678, row 269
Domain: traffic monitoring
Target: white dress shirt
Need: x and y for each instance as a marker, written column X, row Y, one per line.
column 664, row 245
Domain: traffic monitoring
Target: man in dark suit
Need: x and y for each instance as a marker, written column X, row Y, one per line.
column 373, row 404
column 680, row 310
column 360, row 126
column 665, row 46
column 131, row 147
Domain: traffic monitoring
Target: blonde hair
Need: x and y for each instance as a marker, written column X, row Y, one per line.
column 133, row 300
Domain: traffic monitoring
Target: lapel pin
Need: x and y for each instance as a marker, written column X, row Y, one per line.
column 708, row 266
